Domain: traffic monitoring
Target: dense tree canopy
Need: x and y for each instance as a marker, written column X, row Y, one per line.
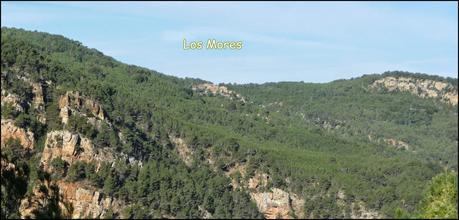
column 280, row 130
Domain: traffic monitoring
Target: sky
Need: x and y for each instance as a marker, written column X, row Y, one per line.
column 282, row 41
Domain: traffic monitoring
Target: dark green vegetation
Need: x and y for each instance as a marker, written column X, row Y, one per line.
column 286, row 141
column 427, row 125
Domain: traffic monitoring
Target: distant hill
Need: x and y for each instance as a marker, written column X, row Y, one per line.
column 84, row 135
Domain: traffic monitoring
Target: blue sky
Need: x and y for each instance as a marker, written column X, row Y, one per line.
column 283, row 41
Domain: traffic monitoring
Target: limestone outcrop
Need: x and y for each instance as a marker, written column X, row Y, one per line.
column 11, row 131
column 38, row 101
column 208, row 88
column 75, row 200
column 183, row 150
column 72, row 147
column 86, row 202
column 424, row 88
column 274, row 203
column 72, row 102
column 12, row 99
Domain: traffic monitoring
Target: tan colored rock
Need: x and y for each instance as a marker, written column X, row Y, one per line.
column 12, row 99
column 72, row 147
column 259, row 180
column 59, row 144
column 65, row 114
column 38, row 101
column 397, row 143
column 184, row 152
column 440, row 86
column 218, row 90
column 76, row 200
column 10, row 131
column 297, row 205
column 237, row 168
column 450, row 98
column 38, row 200
column 87, row 202
column 421, row 87
column 95, row 108
column 276, row 204
column 72, row 102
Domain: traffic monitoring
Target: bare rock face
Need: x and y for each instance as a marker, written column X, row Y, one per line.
column 72, row 147
column 38, row 101
column 10, row 131
column 183, row 150
column 278, row 204
column 42, row 195
column 12, row 99
column 275, row 203
column 75, row 200
column 72, row 102
column 86, row 202
column 272, row 203
column 424, row 88
column 65, row 114
column 208, row 88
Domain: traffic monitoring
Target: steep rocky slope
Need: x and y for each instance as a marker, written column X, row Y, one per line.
column 100, row 139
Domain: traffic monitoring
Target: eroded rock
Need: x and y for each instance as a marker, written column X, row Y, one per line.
column 11, row 131
column 38, row 101
column 12, row 99
column 72, row 102
column 72, row 147
column 274, row 203
column 75, row 200
column 86, row 202
column 208, row 88
column 424, row 88
column 184, row 152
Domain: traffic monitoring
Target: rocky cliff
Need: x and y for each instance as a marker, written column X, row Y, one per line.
column 72, row 200
column 72, row 147
column 274, row 202
column 73, row 102
column 11, row 131
column 271, row 202
column 424, row 88
column 12, row 99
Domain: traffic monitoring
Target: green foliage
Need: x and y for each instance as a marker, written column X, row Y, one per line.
column 285, row 140
column 80, row 124
column 77, row 171
column 8, row 111
column 59, row 167
column 14, row 179
column 440, row 200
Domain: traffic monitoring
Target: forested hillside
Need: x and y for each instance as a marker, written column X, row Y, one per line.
column 84, row 135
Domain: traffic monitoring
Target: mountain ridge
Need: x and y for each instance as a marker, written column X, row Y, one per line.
column 159, row 120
